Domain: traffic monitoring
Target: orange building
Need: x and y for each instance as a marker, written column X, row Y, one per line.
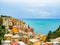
column 14, row 29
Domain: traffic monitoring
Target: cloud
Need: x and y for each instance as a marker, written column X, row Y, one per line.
column 43, row 13
column 47, row 14
column 33, row 8
column 31, row 2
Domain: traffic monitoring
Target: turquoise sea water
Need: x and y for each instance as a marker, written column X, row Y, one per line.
column 43, row 25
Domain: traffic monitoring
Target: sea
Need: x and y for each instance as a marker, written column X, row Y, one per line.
column 43, row 26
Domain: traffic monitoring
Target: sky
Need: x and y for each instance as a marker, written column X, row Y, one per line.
column 49, row 9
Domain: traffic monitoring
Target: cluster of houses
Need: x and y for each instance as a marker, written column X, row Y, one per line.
column 19, row 30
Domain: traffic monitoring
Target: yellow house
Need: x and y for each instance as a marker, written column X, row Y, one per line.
column 34, row 42
column 14, row 29
column 43, row 37
column 8, row 36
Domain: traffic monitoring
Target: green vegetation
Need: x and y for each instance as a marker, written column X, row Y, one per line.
column 1, row 21
column 2, row 32
column 54, row 34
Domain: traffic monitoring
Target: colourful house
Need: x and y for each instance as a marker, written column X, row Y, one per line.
column 15, row 37
column 8, row 36
column 43, row 37
column 14, row 29
column 34, row 42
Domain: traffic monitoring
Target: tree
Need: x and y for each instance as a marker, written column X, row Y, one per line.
column 1, row 21
column 49, row 36
column 54, row 34
column 2, row 32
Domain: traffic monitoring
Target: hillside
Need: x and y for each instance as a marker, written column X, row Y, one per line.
column 54, row 34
